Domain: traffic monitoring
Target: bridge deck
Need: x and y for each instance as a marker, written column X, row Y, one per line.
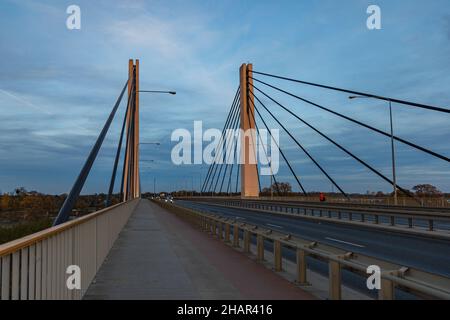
column 158, row 256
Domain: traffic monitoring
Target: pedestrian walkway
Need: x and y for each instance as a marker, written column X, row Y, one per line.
column 159, row 256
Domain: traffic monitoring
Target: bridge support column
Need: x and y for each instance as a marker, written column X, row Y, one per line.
column 249, row 169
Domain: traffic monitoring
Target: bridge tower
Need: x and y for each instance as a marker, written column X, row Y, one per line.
column 249, row 169
column 131, row 180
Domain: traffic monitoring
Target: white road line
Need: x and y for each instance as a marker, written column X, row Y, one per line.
column 239, row 218
column 274, row 225
column 341, row 241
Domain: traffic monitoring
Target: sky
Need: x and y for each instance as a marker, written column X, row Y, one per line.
column 57, row 86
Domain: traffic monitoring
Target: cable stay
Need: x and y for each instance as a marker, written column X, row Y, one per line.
column 335, row 143
column 233, row 124
column 304, row 150
column 211, row 167
column 219, row 150
column 281, row 151
column 119, row 149
column 266, row 153
column 437, row 155
column 254, row 142
column 368, row 95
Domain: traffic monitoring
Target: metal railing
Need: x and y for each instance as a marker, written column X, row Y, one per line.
column 34, row 267
column 426, row 203
column 420, row 283
column 420, row 221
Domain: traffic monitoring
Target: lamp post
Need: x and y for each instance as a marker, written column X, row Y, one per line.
column 155, row 143
column 158, row 91
column 394, row 178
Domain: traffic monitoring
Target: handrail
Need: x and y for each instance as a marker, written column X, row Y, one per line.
column 35, row 267
column 14, row 245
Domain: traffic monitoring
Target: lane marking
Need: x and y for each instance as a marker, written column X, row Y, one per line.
column 239, row 218
column 274, row 225
column 349, row 243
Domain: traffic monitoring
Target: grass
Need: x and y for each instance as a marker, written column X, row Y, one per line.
column 10, row 233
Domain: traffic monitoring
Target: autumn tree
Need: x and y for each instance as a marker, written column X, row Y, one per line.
column 282, row 188
column 422, row 190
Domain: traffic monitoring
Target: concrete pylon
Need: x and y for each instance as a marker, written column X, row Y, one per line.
column 136, row 187
column 131, row 185
column 249, row 169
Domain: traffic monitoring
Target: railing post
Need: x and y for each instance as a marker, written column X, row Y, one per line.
column 235, row 236
column 301, row 267
column 334, row 278
column 277, row 263
column 219, row 230
column 227, row 232
column 214, row 227
column 203, row 223
column 247, row 236
column 387, row 290
column 260, row 247
column 6, row 277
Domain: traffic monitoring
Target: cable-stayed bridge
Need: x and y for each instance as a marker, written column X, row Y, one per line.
column 301, row 249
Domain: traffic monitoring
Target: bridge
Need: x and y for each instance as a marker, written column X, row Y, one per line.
column 231, row 242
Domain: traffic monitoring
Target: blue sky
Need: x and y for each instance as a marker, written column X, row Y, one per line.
column 57, row 86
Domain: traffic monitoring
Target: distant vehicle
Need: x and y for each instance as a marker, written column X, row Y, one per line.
column 322, row 197
column 165, row 197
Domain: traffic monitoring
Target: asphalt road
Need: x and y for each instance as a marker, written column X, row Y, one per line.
column 423, row 253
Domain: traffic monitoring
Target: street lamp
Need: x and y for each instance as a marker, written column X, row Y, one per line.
column 158, row 91
column 155, row 143
column 394, row 179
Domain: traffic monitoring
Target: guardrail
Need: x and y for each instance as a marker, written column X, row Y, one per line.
column 420, row 283
column 431, row 221
column 34, row 267
column 432, row 204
